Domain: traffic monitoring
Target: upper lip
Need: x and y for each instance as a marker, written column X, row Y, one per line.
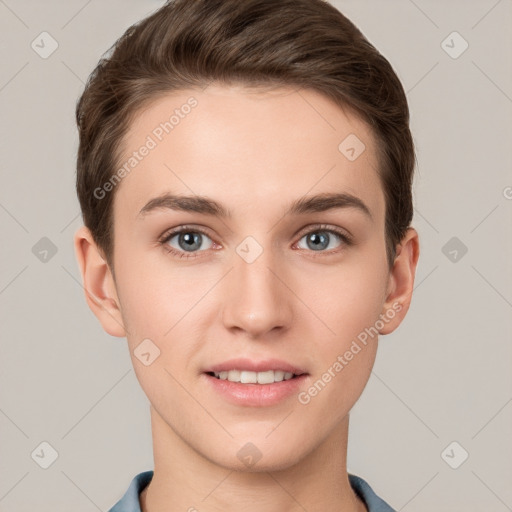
column 255, row 366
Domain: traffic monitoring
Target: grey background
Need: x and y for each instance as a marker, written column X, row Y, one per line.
column 443, row 376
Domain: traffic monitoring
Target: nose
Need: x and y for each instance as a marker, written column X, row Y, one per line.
column 257, row 298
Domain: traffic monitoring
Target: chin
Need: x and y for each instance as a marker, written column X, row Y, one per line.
column 259, row 456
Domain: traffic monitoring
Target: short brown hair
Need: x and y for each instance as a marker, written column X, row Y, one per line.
column 188, row 44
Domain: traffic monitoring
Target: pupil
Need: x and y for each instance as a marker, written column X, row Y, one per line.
column 191, row 239
column 317, row 241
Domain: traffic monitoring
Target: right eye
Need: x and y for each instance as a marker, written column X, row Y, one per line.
column 189, row 241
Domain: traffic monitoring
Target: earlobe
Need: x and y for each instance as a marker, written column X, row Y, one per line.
column 401, row 281
column 98, row 283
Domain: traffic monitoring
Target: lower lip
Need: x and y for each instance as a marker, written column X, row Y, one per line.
column 256, row 395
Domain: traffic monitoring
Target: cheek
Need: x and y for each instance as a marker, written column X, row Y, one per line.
column 343, row 357
column 346, row 299
column 162, row 306
column 157, row 308
column 349, row 302
column 152, row 298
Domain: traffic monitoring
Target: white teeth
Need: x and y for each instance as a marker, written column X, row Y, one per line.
column 233, row 376
column 266, row 377
column 279, row 375
column 247, row 377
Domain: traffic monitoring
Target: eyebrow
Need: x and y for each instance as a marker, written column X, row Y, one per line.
column 208, row 206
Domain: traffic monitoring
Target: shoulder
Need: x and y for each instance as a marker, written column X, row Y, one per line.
column 373, row 502
column 130, row 500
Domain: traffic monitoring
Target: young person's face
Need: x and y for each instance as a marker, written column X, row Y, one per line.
column 254, row 286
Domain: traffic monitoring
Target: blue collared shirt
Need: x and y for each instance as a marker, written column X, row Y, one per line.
column 130, row 501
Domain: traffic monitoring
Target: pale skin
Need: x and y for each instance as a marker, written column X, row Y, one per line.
column 255, row 153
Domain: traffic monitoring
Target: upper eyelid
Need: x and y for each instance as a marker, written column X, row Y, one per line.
column 324, row 227
column 183, row 229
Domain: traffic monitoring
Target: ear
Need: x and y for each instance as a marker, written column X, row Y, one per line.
column 98, row 283
column 401, row 281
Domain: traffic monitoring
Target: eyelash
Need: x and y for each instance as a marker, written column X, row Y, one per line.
column 346, row 239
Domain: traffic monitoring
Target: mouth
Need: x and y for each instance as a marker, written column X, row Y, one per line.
column 251, row 377
column 252, row 371
column 244, row 387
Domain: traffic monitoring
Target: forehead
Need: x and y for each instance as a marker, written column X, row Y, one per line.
column 246, row 147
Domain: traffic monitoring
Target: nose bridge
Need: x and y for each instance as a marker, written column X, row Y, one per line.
column 256, row 299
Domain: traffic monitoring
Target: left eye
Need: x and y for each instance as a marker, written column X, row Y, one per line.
column 318, row 240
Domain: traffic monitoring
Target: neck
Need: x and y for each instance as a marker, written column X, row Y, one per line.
column 184, row 479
